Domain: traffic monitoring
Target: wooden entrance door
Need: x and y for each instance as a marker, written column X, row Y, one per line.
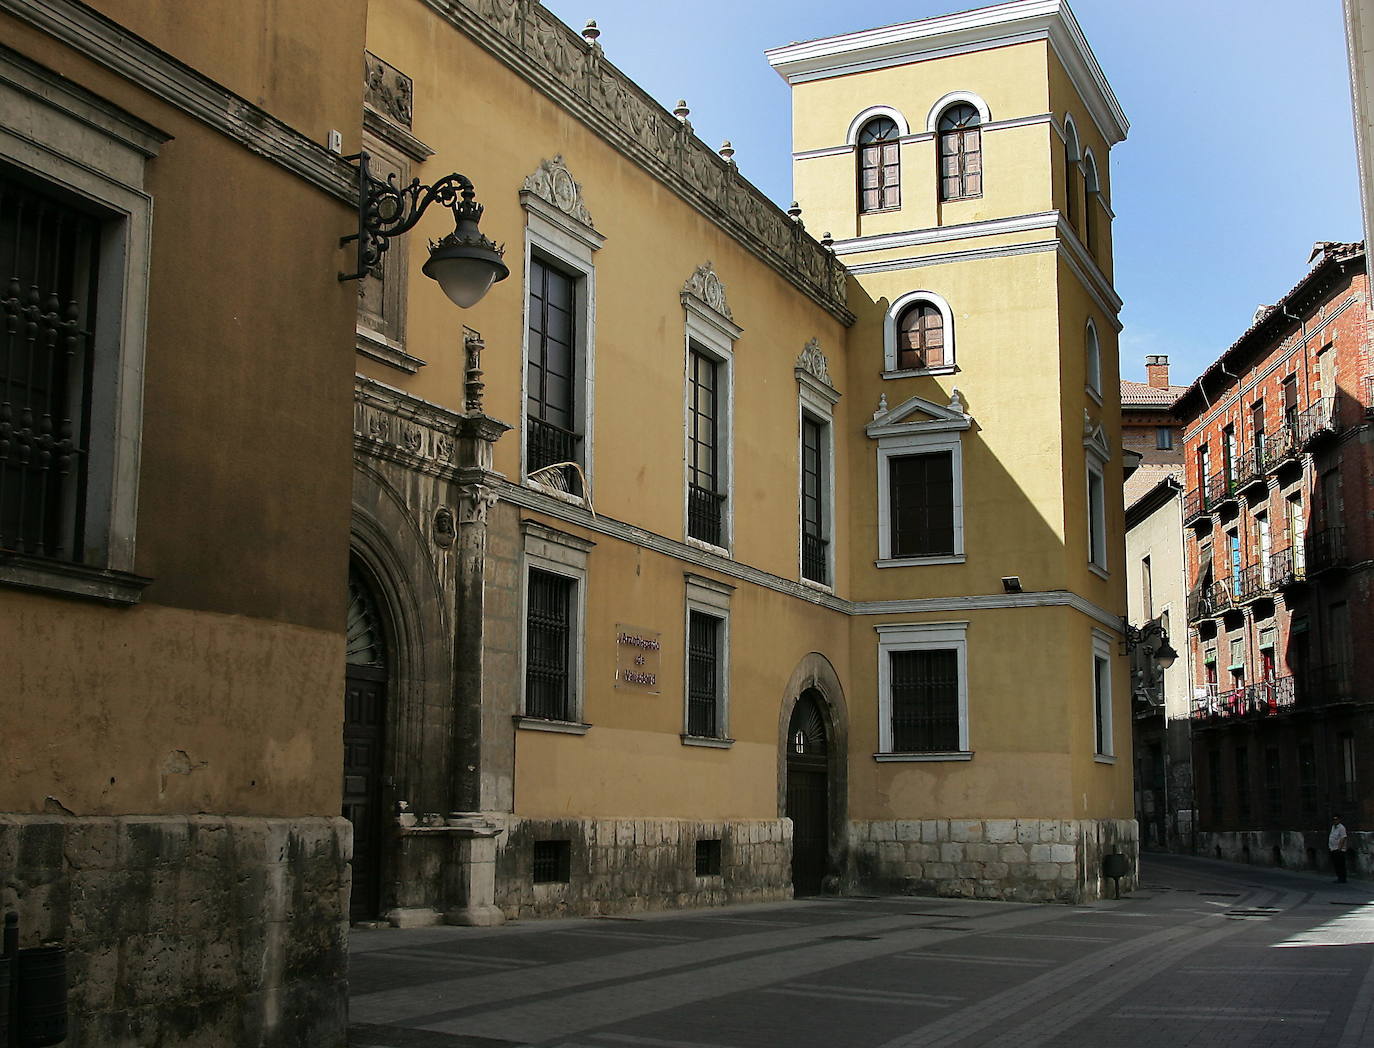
column 808, row 794
column 364, row 746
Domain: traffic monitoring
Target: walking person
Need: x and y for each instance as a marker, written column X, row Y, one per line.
column 1336, row 844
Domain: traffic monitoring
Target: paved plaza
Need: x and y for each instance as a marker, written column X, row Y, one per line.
column 1204, row 953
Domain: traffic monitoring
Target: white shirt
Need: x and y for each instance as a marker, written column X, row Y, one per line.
column 1336, row 842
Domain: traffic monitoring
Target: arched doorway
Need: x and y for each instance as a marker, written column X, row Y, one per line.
column 808, row 792
column 364, row 742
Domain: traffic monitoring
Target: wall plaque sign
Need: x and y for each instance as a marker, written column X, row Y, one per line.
column 637, row 659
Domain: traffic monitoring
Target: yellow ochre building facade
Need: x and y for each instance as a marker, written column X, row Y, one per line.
column 704, row 560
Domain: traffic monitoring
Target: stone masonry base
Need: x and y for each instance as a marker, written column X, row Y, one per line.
column 1028, row 860
column 206, row 930
column 618, row 866
column 1290, row 849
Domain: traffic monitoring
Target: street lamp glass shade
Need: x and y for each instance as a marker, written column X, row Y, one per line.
column 465, row 272
column 1165, row 656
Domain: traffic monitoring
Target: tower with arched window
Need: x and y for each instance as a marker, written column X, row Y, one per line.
column 987, row 507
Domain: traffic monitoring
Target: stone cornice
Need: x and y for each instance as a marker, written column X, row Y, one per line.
column 576, row 75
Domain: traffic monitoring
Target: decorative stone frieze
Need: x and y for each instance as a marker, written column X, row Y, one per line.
column 634, row 865
column 393, row 425
column 573, row 72
column 1026, row 860
column 705, row 286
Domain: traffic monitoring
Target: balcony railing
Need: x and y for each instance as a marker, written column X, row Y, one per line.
column 1367, row 388
column 1281, row 444
column 1320, row 420
column 1324, row 685
column 1286, row 570
column 1224, row 594
column 813, row 558
column 1222, row 487
column 1200, row 603
column 1255, row 582
column 705, row 511
column 1326, row 549
column 1250, row 467
column 1195, row 505
column 548, row 445
column 1266, row 698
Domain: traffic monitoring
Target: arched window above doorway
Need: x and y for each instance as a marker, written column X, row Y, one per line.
column 807, row 735
column 366, row 639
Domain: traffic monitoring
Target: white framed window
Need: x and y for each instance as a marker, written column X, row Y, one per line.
column 1164, row 438
column 553, row 629
column 1104, row 749
column 920, row 483
column 706, row 674
column 918, row 336
column 709, row 339
column 923, row 692
column 559, row 349
column 816, row 399
column 68, row 508
column 1072, row 171
column 1092, row 362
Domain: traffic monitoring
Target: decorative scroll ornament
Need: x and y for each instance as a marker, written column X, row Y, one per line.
column 553, row 182
column 386, row 89
column 473, row 385
column 706, row 286
column 813, row 361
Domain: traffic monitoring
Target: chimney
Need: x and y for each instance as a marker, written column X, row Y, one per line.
column 1157, row 370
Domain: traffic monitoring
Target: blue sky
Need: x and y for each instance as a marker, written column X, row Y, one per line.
column 1241, row 151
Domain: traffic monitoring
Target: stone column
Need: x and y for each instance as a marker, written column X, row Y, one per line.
column 471, row 884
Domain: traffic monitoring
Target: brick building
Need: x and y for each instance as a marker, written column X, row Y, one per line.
column 1279, row 540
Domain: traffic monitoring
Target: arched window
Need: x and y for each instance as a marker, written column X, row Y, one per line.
column 1071, row 170
column 920, row 337
column 961, row 153
column 1090, row 202
column 880, row 168
column 1092, row 354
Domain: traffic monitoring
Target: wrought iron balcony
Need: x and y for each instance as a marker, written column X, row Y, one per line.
column 1325, row 685
column 1255, row 582
column 1222, row 487
column 1287, row 570
column 1326, row 549
column 705, row 511
column 1281, row 445
column 1225, row 594
column 813, row 558
column 1266, row 698
column 1200, row 603
column 1319, row 421
column 1250, row 468
column 1195, row 505
column 549, row 445
column 1367, row 388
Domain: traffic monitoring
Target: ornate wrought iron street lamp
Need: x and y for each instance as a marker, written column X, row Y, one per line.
column 465, row 263
column 1162, row 652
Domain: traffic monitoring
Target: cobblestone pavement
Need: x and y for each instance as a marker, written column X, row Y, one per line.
column 1204, row 953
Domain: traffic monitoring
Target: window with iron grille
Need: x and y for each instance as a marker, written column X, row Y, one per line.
column 880, row 170
column 551, row 862
column 920, row 337
column 708, row 858
column 51, row 252
column 551, row 400
column 548, row 646
column 961, row 153
column 814, row 480
column 703, row 675
column 1242, row 782
column 1102, row 706
column 705, row 487
column 925, row 701
column 921, row 488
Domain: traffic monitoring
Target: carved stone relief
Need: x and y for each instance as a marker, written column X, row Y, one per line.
column 813, row 361
column 386, row 89
column 553, row 182
column 705, row 285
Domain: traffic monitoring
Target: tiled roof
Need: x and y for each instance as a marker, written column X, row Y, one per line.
column 1145, row 478
column 1153, row 396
